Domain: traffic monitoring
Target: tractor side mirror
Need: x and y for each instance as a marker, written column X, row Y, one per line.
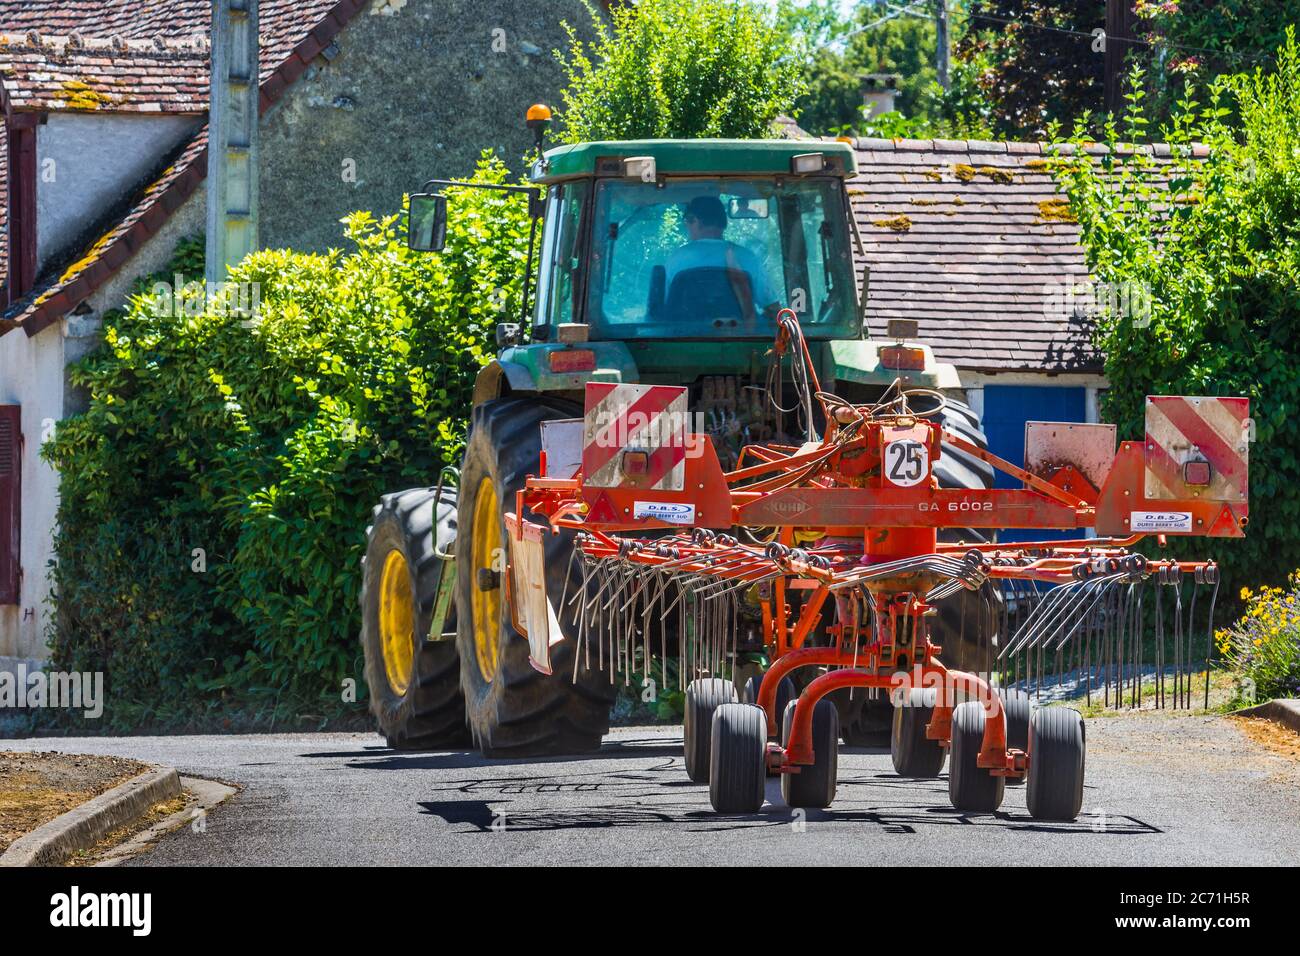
column 426, row 222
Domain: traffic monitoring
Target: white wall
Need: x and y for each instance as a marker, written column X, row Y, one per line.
column 87, row 163
column 31, row 375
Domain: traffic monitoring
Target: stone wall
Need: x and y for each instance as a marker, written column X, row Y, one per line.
column 412, row 90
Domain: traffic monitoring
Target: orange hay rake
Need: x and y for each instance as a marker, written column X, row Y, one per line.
column 827, row 554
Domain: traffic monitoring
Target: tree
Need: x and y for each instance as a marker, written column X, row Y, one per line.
column 843, row 52
column 1200, row 39
column 1043, row 64
column 681, row 69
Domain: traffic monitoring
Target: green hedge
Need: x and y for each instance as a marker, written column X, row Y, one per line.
column 265, row 442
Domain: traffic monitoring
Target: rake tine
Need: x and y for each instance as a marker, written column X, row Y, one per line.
column 1211, row 576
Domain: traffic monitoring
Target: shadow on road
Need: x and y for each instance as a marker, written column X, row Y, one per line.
column 655, row 796
column 384, row 758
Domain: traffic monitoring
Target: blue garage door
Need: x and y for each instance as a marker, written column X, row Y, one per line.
column 1006, row 409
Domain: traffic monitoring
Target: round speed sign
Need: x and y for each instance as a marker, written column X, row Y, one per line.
column 907, row 462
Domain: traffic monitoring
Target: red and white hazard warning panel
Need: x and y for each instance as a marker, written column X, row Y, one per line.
column 635, row 436
column 1197, row 447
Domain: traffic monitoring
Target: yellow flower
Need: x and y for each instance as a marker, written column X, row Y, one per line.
column 1245, row 594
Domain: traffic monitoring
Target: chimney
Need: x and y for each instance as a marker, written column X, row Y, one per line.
column 232, row 137
column 878, row 92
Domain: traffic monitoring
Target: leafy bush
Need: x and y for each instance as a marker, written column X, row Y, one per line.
column 681, row 69
column 215, row 493
column 1217, row 249
column 1262, row 650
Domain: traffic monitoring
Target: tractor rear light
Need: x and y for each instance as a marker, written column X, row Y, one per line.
column 902, row 357
column 1196, row 472
column 572, row 360
column 636, row 463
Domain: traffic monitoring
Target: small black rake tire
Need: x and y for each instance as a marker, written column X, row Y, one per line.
column 913, row 754
column 785, row 692
column 1057, row 750
column 429, row 711
column 1019, row 710
column 971, row 788
column 813, row 787
column 703, row 697
column 738, row 758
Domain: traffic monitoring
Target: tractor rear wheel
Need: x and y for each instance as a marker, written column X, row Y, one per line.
column 971, row 788
column 966, row 623
column 414, row 681
column 512, row 708
column 865, row 718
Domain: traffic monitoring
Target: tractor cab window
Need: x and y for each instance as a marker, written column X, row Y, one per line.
column 560, row 280
column 704, row 258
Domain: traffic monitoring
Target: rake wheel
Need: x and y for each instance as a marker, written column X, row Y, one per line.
column 1057, row 747
column 814, row 785
column 971, row 788
column 914, row 754
column 703, row 697
column 738, row 758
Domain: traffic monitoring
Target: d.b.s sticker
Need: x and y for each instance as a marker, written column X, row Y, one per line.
column 671, row 511
column 1160, row 521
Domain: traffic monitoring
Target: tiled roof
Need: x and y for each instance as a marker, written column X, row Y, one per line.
column 293, row 34
column 970, row 238
column 62, row 73
column 131, row 56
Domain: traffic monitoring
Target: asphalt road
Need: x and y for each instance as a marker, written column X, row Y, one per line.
column 1160, row 791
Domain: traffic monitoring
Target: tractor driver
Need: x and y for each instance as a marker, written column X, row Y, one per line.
column 706, row 220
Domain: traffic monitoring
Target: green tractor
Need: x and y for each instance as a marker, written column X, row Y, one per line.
column 661, row 262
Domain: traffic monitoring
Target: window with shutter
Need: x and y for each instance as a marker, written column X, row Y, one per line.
column 10, row 474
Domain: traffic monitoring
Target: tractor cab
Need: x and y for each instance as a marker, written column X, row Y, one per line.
column 707, row 239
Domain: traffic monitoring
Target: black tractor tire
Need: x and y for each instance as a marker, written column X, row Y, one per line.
column 813, row 787
column 965, row 624
column 703, row 696
column 514, row 710
column 865, row 720
column 913, row 754
column 971, row 788
column 1019, row 710
column 427, row 709
column 738, row 758
column 1057, row 751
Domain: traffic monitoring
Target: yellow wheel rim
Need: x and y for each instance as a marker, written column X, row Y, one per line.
column 487, row 568
column 397, row 622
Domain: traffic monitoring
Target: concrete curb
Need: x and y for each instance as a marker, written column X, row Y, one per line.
column 84, row 826
column 205, row 795
column 1285, row 712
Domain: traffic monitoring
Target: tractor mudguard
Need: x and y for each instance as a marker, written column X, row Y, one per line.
column 554, row 367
